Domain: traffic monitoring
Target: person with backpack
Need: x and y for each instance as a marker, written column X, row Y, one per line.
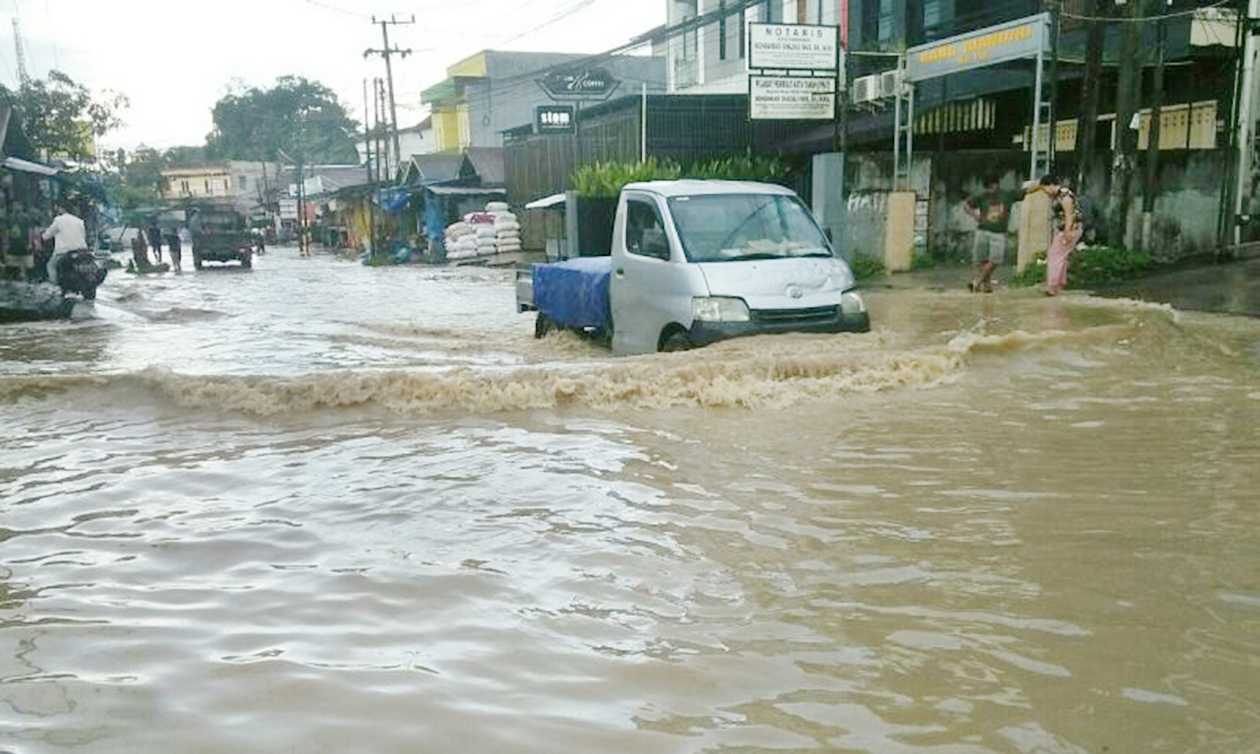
column 1067, row 232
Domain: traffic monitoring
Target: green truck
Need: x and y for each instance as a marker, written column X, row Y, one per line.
column 220, row 234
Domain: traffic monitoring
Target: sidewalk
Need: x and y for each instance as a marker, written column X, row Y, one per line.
column 1228, row 288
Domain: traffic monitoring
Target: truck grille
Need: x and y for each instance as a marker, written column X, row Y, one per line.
column 787, row 317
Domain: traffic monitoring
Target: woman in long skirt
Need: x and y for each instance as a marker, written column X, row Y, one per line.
column 1067, row 233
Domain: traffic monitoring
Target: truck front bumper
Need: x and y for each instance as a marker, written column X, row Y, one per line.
column 705, row 333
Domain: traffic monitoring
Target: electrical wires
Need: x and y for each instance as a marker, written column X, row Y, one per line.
column 1143, row 19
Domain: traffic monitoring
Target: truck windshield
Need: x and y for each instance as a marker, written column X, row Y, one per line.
column 734, row 227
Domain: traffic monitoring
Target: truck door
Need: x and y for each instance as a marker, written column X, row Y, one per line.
column 641, row 274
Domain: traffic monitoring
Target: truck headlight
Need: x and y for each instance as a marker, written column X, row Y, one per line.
column 719, row 309
column 851, row 303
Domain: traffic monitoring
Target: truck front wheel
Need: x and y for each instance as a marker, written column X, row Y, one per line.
column 675, row 340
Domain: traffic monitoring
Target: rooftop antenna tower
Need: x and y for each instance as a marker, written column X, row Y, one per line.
column 24, row 78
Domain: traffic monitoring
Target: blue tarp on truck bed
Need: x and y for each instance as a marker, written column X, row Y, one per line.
column 574, row 293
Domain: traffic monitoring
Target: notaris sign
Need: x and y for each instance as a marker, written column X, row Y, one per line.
column 1025, row 38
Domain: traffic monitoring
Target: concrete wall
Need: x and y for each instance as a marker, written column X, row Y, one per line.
column 1185, row 216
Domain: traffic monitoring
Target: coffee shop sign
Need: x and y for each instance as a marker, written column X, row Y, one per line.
column 593, row 83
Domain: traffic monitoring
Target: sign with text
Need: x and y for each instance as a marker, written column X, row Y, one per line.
column 288, row 209
column 793, row 47
column 591, row 83
column 1025, row 38
column 791, row 98
column 554, row 119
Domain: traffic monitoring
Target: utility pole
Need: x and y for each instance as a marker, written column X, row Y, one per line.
column 1091, row 91
column 1151, row 185
column 367, row 164
column 1128, row 97
column 1246, row 119
column 388, row 53
column 382, row 159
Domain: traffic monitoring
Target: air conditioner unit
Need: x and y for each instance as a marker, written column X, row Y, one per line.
column 889, row 83
column 865, row 89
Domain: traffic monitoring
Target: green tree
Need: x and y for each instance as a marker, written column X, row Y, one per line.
column 63, row 118
column 300, row 117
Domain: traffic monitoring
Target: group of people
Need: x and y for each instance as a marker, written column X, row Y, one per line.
column 991, row 209
column 152, row 238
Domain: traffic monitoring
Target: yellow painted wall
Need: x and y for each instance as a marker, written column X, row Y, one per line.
column 200, row 184
column 446, row 129
column 470, row 66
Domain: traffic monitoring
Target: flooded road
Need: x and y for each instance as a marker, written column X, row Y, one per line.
column 322, row 507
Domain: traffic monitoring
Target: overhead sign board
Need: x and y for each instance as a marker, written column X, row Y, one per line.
column 793, row 47
column 288, row 209
column 554, row 119
column 792, row 98
column 1025, row 38
column 589, row 84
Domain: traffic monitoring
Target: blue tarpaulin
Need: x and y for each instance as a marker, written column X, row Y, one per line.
column 575, row 293
column 394, row 200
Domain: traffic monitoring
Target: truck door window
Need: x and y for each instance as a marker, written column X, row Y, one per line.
column 645, row 232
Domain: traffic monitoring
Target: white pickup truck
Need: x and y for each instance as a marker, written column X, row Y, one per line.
column 694, row 262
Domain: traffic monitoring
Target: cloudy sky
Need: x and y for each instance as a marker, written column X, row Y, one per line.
column 174, row 58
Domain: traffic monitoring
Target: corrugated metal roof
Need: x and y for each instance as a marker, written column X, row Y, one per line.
column 464, row 191
column 488, row 163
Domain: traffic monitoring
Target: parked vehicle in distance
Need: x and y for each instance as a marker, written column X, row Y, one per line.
column 695, row 262
column 220, row 234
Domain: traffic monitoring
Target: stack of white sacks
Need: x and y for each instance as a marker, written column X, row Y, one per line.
column 461, row 241
column 484, row 234
column 507, row 230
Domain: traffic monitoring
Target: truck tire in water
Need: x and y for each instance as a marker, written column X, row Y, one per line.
column 542, row 326
column 675, row 340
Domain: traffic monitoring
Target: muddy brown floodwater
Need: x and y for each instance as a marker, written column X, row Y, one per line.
column 322, row 507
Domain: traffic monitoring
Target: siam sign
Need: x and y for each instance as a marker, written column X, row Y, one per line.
column 1025, row 38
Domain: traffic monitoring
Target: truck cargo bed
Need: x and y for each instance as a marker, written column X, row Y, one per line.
column 574, row 294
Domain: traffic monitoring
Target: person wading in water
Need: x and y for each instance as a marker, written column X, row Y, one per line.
column 991, row 209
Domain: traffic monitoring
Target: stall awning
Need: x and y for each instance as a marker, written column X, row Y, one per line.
column 26, row 166
column 554, row 200
column 464, row 191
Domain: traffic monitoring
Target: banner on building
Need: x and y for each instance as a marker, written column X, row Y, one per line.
column 1025, row 38
column 791, row 98
column 794, row 47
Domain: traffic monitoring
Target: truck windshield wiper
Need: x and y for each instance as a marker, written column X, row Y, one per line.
column 751, row 257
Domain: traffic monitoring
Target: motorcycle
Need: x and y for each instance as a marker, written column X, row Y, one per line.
column 80, row 272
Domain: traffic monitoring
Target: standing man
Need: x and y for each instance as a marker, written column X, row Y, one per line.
column 175, row 244
column 155, row 240
column 991, row 209
column 68, row 233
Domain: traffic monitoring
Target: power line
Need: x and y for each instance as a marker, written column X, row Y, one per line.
column 336, row 9
column 1143, row 19
column 573, row 9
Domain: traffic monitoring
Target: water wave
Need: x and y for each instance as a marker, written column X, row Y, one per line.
column 750, row 373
